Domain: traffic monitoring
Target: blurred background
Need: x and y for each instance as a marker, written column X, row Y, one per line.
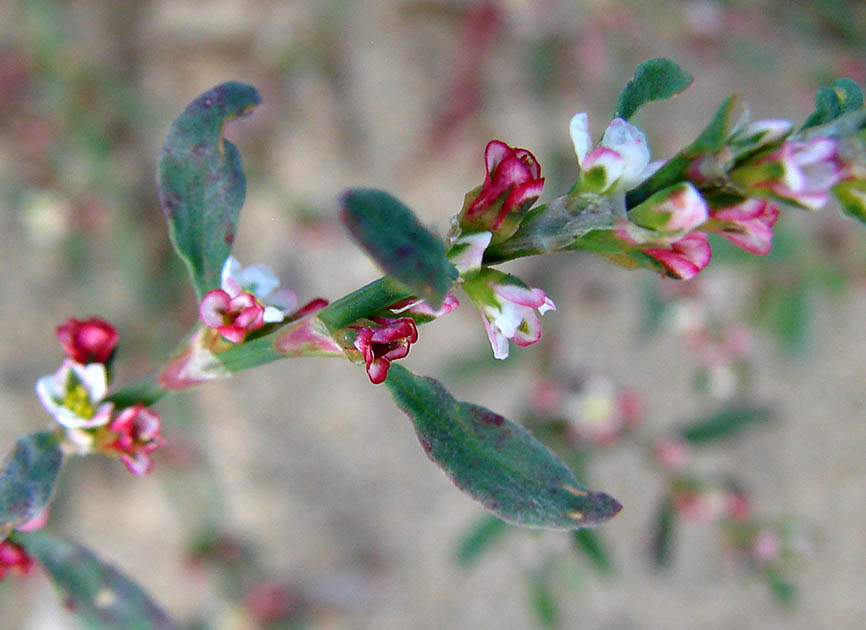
column 296, row 495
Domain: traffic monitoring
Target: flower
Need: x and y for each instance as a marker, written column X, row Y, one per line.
column 420, row 311
column 136, row 436
column 74, row 393
column 88, row 341
column 672, row 212
column 619, row 162
column 385, row 341
column 512, row 184
column 232, row 315
column 467, row 251
column 14, row 558
column 748, row 225
column 507, row 307
column 683, row 259
column 801, row 172
column 262, row 283
column 672, row 453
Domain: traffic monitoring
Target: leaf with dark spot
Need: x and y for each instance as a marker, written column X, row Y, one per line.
column 496, row 461
column 201, row 183
column 94, row 590
column 27, row 479
column 400, row 245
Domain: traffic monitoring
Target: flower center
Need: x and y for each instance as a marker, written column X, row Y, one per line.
column 78, row 401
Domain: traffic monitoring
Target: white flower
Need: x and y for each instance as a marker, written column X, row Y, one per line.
column 73, row 395
column 620, row 161
column 262, row 283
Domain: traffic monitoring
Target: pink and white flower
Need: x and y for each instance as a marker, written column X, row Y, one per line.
column 620, row 161
column 88, row 341
column 511, row 185
column 136, row 432
column 748, row 225
column 467, row 251
column 508, row 308
column 672, row 212
column 801, row 172
column 232, row 314
column 73, row 395
column 263, row 283
column 385, row 341
column 683, row 259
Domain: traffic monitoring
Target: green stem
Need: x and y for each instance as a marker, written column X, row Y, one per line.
column 146, row 391
column 364, row 302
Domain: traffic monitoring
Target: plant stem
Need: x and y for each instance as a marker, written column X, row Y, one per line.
column 364, row 302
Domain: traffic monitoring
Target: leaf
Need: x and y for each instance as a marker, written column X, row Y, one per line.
column 654, row 79
column 589, row 542
column 725, row 423
column 93, row 589
column 201, row 182
column 400, row 245
column 782, row 589
column 851, row 196
column 27, row 479
column 842, row 97
column 542, row 600
column 494, row 460
column 662, row 544
column 479, row 538
column 714, row 135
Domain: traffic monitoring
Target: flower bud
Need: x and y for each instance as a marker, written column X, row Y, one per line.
column 685, row 257
column 384, row 341
column 512, row 184
column 672, row 212
column 136, row 432
column 748, row 225
column 14, row 558
column 620, row 162
column 89, row 341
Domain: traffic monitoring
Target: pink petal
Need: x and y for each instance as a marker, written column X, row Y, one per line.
column 213, row 305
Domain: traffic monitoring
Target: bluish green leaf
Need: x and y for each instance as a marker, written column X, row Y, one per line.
column 201, row 182
column 400, row 245
column 494, row 460
column 589, row 542
column 27, row 479
column 842, row 97
column 96, row 591
column 482, row 534
column 726, row 422
column 662, row 543
column 654, row 79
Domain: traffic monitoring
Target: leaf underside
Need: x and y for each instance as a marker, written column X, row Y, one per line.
column 27, row 478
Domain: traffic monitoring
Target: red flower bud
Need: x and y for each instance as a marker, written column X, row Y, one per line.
column 90, row 341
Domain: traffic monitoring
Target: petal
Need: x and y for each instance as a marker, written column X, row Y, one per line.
column 467, row 251
column 610, row 162
column 259, row 280
column 524, row 296
column 377, row 370
column 231, row 269
column 529, row 330
column 273, row 315
column 631, row 143
column 94, row 378
column 284, row 299
column 213, row 306
column 498, row 341
column 578, row 129
column 494, row 153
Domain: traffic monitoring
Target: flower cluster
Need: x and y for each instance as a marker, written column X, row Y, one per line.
column 75, row 396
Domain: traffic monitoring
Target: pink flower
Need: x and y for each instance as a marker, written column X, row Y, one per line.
column 136, row 431
column 232, row 316
column 512, row 183
column 269, row 602
column 672, row 212
column 388, row 341
column 14, row 558
column 748, row 225
column 672, row 453
column 89, row 341
column 420, row 311
column 507, row 308
column 799, row 171
column 684, row 258
column 766, row 546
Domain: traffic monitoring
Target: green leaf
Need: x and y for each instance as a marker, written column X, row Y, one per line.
column 654, row 79
column 589, row 542
column 27, row 479
column 851, row 196
column 725, row 423
column 98, row 592
column 714, row 135
column 201, row 182
column 842, row 97
column 494, row 460
column 482, row 534
column 400, row 245
column 542, row 600
column 661, row 547
column 782, row 589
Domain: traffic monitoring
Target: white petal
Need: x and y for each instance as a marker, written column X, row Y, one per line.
column 259, row 280
column 578, row 129
column 631, row 143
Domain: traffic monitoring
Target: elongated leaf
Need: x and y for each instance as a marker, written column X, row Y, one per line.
column 842, row 97
column 201, row 182
column 724, row 423
column 654, row 79
column 589, row 542
column 662, row 543
column 494, row 460
column 27, row 479
column 400, row 245
column 482, row 534
column 98, row 592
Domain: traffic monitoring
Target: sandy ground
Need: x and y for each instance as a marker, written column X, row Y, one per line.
column 317, row 466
